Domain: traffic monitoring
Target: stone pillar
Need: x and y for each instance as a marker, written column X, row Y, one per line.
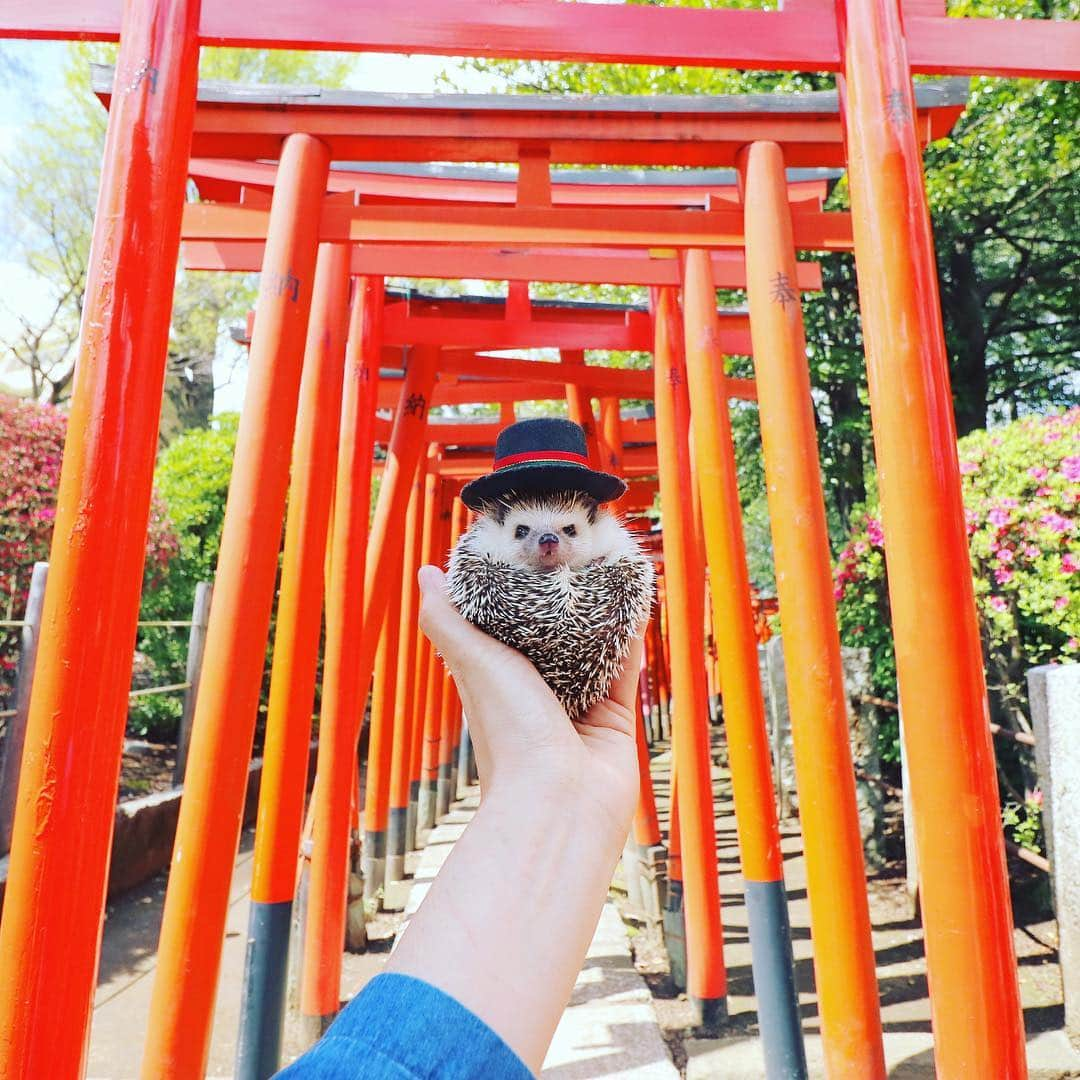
column 1054, row 692
column 863, row 726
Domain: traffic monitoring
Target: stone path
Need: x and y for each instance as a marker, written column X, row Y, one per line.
column 610, row 1027
column 617, row 1025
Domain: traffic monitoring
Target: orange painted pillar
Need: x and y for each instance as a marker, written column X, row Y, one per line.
column 449, row 707
column 744, row 709
column 343, row 693
column 706, row 977
column 425, row 747
column 208, row 831
column 292, row 679
column 381, row 749
column 66, row 799
column 325, row 931
column 963, row 883
column 579, row 407
column 611, row 430
column 405, row 718
column 836, row 877
column 459, row 523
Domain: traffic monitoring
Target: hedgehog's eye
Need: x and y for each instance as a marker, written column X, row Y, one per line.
column 570, row 530
column 521, row 532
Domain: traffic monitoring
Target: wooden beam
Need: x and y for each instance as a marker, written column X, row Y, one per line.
column 801, row 38
column 593, row 266
column 516, row 226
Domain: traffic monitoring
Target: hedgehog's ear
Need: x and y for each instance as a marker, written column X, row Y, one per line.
column 592, row 508
column 497, row 509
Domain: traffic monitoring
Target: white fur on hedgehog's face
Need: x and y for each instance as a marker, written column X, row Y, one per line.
column 544, row 534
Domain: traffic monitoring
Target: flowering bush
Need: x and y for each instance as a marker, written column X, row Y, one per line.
column 31, row 448
column 1021, row 486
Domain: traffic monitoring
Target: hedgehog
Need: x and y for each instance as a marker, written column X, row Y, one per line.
column 558, row 578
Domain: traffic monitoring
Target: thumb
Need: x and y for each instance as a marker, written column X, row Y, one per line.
column 453, row 636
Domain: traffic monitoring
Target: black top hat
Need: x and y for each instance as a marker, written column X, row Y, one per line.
column 537, row 456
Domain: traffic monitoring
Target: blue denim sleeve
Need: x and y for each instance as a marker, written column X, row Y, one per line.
column 400, row 1028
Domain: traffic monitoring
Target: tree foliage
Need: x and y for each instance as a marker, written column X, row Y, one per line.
column 1004, row 189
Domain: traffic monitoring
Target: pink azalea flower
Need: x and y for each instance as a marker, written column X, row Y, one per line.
column 1003, row 576
column 998, row 517
column 998, row 603
column 1074, row 643
column 1031, row 551
column 1070, row 467
column 874, row 533
column 1061, row 602
column 1044, row 491
column 1069, row 563
column 1038, row 472
column 838, row 592
column 1051, row 436
column 861, row 547
column 1055, row 522
column 1006, row 554
column 1035, row 797
column 968, row 467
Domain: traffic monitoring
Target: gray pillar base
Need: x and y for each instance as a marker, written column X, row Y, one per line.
column 425, row 819
column 395, row 844
column 411, row 817
column 313, row 1028
column 455, row 791
column 631, row 868
column 442, row 792
column 356, row 916
column 262, row 1006
column 774, row 980
column 373, row 864
column 675, row 934
column 710, row 1015
column 464, row 746
column 653, row 877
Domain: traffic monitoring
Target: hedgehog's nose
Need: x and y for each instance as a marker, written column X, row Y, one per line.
column 548, row 543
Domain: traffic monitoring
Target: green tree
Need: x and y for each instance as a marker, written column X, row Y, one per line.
column 50, row 179
column 1004, row 189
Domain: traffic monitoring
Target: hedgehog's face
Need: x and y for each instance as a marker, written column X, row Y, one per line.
column 546, row 534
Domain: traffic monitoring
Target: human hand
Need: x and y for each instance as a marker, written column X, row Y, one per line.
column 523, row 739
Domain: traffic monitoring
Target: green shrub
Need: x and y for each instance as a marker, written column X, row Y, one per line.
column 192, row 480
column 1021, row 486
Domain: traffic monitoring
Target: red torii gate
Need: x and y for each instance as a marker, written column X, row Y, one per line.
column 97, row 557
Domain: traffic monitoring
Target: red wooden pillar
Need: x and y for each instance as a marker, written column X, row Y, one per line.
column 292, row 680
column 836, row 876
column 405, row 717
column 424, row 755
column 380, row 751
column 744, row 710
column 71, row 760
column 449, row 708
column 706, row 976
column 579, row 407
column 343, row 693
column 975, row 1002
column 208, row 832
column 325, row 932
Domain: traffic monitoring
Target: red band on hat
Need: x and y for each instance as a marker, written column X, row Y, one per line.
column 542, row 455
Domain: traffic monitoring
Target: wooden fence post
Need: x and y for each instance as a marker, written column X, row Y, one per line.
column 11, row 758
column 200, row 616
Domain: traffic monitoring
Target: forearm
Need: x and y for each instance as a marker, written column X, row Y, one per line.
column 508, row 920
